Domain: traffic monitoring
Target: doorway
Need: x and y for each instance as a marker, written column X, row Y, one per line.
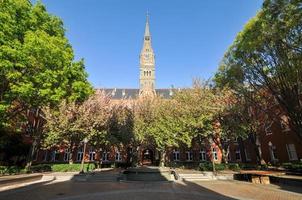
column 147, row 157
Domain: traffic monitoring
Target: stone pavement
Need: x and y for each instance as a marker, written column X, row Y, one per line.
column 221, row 190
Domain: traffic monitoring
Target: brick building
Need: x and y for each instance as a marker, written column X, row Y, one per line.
column 278, row 143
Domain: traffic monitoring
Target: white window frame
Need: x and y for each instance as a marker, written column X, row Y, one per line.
column 292, row 153
column 66, row 154
column 91, row 154
column 118, row 156
column 105, row 154
column 238, row 152
column 214, row 154
column 202, row 155
column 284, row 124
column 247, row 155
column 80, row 154
column 176, row 155
column 189, row 155
column 272, row 151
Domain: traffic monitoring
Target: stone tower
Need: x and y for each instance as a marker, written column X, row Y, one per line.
column 147, row 65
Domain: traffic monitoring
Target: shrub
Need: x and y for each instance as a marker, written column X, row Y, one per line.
column 220, row 166
column 233, row 166
column 294, row 167
column 205, row 166
column 61, row 167
column 9, row 170
column 248, row 166
column 71, row 167
column 40, row 168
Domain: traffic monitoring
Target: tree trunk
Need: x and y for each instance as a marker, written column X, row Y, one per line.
column 72, row 147
column 225, row 152
column 162, row 158
column 35, row 132
column 98, row 160
column 30, row 155
column 257, row 146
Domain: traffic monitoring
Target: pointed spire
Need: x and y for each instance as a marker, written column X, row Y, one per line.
column 147, row 29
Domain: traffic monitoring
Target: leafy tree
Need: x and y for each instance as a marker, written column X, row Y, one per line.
column 267, row 55
column 36, row 62
column 70, row 123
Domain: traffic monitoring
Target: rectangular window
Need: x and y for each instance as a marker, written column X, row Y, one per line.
column 238, row 154
column 291, row 151
column 66, row 155
column 284, row 124
column 91, row 154
column 80, row 154
column 118, row 156
column 214, row 152
column 176, row 155
column 55, row 154
column 247, row 155
column 189, row 155
column 202, row 155
column 105, row 156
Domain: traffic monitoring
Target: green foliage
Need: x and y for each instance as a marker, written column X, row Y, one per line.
column 294, row 167
column 40, row 168
column 233, row 166
column 61, row 167
column 267, row 56
column 71, row 167
column 14, row 147
column 11, row 170
column 205, row 166
column 36, row 60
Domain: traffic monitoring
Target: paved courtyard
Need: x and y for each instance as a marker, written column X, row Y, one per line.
column 224, row 190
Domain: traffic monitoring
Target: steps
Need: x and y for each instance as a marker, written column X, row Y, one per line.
column 102, row 177
column 196, row 176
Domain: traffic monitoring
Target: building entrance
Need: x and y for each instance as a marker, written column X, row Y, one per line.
column 147, row 157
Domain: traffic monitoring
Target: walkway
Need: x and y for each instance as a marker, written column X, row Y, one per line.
column 221, row 190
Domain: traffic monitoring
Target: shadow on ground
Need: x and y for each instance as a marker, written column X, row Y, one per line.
column 75, row 189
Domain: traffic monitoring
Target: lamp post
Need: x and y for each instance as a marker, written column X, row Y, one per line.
column 83, row 158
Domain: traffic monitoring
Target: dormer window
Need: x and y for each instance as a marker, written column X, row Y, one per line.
column 284, row 124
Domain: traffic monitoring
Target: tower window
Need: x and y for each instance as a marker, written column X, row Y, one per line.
column 147, row 38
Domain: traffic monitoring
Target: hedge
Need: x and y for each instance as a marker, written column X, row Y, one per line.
column 61, row 167
column 294, row 167
column 9, row 170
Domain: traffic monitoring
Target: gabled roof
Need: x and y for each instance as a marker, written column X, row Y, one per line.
column 126, row 93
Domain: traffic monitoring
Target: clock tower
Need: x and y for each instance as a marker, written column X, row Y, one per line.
column 147, row 65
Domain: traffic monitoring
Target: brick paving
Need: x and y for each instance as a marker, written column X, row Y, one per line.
column 221, row 190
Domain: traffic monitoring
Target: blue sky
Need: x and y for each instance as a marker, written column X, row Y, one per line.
column 189, row 36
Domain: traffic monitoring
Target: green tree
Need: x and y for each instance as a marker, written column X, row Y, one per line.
column 37, row 66
column 267, row 55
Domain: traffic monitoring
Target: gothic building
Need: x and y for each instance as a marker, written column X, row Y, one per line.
column 278, row 144
column 146, row 74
